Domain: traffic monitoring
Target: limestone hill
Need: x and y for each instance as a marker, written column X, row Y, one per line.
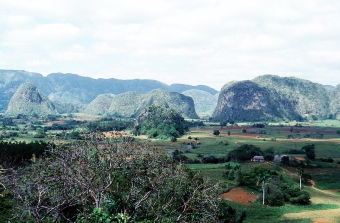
column 270, row 97
column 205, row 103
column 28, row 100
column 73, row 88
column 131, row 104
column 100, row 105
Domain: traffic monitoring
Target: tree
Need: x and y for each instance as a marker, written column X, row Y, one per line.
column 310, row 151
column 2, row 185
column 223, row 123
column 262, row 179
column 108, row 177
column 245, row 152
column 301, row 171
column 216, row 133
column 238, row 177
column 285, row 160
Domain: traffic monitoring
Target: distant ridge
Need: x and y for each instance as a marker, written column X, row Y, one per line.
column 28, row 100
column 73, row 88
column 184, row 87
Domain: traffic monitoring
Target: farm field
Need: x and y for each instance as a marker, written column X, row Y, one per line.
column 325, row 195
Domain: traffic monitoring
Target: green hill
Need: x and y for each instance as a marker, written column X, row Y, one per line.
column 303, row 96
column 126, row 104
column 270, row 97
column 131, row 104
column 100, row 105
column 334, row 104
column 205, row 103
column 28, row 100
column 245, row 101
column 182, row 104
column 73, row 88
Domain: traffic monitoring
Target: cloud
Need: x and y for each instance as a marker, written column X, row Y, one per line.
column 37, row 62
column 49, row 34
column 197, row 42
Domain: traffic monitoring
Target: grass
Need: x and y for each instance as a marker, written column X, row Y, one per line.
column 212, row 145
column 263, row 214
column 326, row 147
column 211, row 166
column 327, row 181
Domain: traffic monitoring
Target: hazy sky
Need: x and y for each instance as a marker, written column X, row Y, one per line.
column 193, row 42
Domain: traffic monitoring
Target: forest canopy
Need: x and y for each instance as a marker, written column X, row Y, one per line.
column 158, row 122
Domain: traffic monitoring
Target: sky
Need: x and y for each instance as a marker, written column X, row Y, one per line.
column 207, row 42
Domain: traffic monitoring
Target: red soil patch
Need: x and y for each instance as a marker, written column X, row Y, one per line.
column 240, row 196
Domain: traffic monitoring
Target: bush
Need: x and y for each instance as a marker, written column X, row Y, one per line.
column 327, row 160
column 302, row 199
column 216, row 132
column 273, row 195
column 310, row 151
column 133, row 178
column 296, row 196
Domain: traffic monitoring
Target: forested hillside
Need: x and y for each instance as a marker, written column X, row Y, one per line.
column 131, row 104
column 205, row 103
column 28, row 100
column 73, row 88
column 270, row 97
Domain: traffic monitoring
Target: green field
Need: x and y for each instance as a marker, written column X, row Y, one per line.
column 322, row 134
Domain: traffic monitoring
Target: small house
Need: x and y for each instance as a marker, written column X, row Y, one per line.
column 259, row 159
column 290, row 137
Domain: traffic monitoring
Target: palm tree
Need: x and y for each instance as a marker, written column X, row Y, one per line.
column 262, row 179
column 300, row 170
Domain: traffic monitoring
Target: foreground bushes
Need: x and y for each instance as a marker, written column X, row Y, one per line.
column 113, row 180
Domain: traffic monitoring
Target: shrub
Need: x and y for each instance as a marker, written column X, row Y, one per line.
column 173, row 139
column 302, row 199
column 216, row 132
column 273, row 195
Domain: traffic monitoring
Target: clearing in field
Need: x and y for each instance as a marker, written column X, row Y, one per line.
column 240, row 196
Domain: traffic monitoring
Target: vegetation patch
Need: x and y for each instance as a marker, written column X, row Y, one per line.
column 162, row 123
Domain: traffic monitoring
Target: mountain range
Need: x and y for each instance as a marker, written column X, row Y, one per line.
column 264, row 98
column 73, row 88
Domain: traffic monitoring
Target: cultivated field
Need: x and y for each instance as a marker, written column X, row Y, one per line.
column 282, row 138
